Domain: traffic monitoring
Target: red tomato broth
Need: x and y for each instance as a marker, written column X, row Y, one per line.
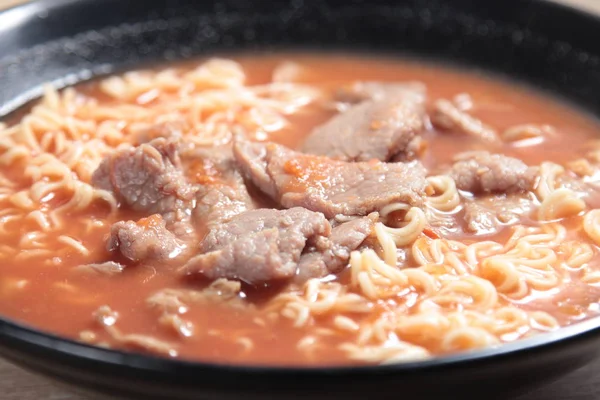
column 59, row 300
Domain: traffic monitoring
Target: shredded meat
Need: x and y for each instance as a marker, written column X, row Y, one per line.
column 381, row 128
column 107, row 318
column 148, row 178
column 332, row 187
column 147, row 238
column 168, row 130
column 332, row 253
column 180, row 326
column 108, row 268
column 258, row 246
column 373, row 90
column 447, row 116
column 178, row 301
column 485, row 215
column 482, row 172
column 222, row 192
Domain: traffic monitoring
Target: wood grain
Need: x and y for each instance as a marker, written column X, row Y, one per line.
column 590, row 5
column 10, row 3
column 17, row 384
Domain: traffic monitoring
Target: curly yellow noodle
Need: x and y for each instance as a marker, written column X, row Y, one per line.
column 482, row 250
column 548, row 235
column 373, row 278
column 12, row 153
column 51, row 98
column 391, row 353
column 29, row 254
column 8, row 217
column 446, row 197
column 576, row 254
column 466, row 293
column 591, row 277
column 317, row 298
column 548, row 178
column 543, row 321
column 507, row 320
column 527, row 132
column 22, row 200
column 390, row 208
column 458, row 265
column 591, row 225
column 40, row 219
column 583, row 167
column 560, row 203
column 415, row 222
column 425, row 325
column 346, row 324
column 505, row 276
column 75, row 244
column 465, row 338
column 426, row 251
column 387, row 244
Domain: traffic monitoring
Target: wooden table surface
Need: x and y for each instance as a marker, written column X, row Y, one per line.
column 16, row 384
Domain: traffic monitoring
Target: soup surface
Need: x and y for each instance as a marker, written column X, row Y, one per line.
column 299, row 209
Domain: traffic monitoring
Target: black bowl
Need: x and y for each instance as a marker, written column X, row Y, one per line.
column 64, row 41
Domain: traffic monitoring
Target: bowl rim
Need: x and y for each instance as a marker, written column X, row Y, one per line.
column 37, row 340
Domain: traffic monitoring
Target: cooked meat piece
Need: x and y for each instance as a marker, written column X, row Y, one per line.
column 107, row 318
column 222, row 192
column 332, row 187
column 146, row 239
column 221, row 202
column 482, row 172
column 179, row 301
column 177, row 325
column 527, row 132
column 485, row 215
column 210, row 165
column 367, row 90
column 414, row 150
column 258, row 246
column 375, row 129
column 442, row 224
column 167, row 130
column 581, row 186
column 479, row 219
column 332, row 253
column 255, row 221
column 446, row 115
column 587, row 190
column 108, row 268
column 148, row 178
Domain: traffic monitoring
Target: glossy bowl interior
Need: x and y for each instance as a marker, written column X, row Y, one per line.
column 65, row 41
